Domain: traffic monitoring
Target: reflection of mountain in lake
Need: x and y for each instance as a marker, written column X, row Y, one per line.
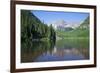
column 47, row 51
column 61, row 55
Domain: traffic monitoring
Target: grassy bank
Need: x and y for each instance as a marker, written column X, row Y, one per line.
column 79, row 33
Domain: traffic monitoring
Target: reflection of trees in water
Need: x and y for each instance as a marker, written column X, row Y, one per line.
column 74, row 46
column 31, row 50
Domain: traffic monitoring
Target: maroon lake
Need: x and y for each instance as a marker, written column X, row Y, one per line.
column 60, row 50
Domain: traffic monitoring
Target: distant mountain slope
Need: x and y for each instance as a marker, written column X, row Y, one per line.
column 59, row 25
column 62, row 25
column 85, row 23
column 81, row 31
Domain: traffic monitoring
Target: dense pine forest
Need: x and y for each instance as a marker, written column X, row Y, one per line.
column 33, row 29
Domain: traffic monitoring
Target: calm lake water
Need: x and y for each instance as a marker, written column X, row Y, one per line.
column 61, row 50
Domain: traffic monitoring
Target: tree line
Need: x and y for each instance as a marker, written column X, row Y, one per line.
column 33, row 29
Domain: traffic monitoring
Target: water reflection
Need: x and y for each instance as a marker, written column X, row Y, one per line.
column 61, row 50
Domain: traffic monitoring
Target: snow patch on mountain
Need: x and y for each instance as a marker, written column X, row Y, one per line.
column 61, row 24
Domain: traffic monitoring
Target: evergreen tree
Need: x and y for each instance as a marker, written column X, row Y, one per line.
column 33, row 28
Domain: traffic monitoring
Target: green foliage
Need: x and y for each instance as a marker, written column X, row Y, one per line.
column 74, row 33
column 33, row 29
column 52, row 33
column 68, row 29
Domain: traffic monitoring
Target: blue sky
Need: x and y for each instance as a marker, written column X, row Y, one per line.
column 51, row 16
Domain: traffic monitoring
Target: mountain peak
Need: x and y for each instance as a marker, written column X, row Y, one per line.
column 59, row 24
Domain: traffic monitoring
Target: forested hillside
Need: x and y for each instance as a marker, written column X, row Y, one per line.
column 33, row 29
